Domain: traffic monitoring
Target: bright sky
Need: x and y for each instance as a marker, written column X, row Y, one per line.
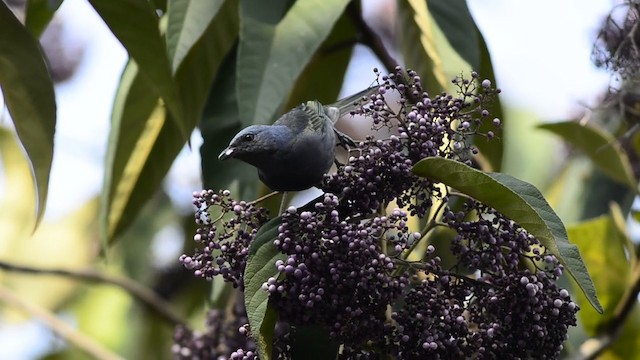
column 541, row 53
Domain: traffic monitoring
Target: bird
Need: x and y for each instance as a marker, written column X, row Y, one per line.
column 298, row 149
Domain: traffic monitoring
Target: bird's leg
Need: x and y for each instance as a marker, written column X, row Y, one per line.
column 346, row 142
column 262, row 198
column 283, row 202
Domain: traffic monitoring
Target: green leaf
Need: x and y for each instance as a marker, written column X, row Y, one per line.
column 260, row 267
column 602, row 244
column 29, row 97
column 132, row 129
column 418, row 45
column 200, row 67
column 188, row 19
column 274, row 50
column 142, row 143
column 327, row 67
column 599, row 146
column 426, row 46
column 519, row 201
column 135, row 24
column 38, row 14
column 455, row 21
column 219, row 123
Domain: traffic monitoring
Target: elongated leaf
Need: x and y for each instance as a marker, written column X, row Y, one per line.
column 418, row 45
column 260, row 267
column 133, row 106
column 455, row 21
column 143, row 143
column 602, row 242
column 219, row 123
column 519, row 201
column 29, row 96
column 327, row 67
column 188, row 19
column 200, row 67
column 599, row 146
column 274, row 50
column 38, row 14
column 136, row 25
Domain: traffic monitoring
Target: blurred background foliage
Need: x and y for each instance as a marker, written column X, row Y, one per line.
column 101, row 278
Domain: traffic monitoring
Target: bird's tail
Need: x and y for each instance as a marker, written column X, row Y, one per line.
column 349, row 103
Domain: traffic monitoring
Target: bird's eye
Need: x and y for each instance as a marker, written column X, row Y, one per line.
column 248, row 137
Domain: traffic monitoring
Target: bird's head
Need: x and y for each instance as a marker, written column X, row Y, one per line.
column 255, row 143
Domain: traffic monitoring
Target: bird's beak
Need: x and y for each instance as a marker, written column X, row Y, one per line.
column 226, row 153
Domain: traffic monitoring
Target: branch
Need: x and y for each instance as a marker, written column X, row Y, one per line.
column 369, row 37
column 138, row 291
column 61, row 328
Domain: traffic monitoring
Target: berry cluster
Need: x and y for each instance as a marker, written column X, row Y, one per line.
column 224, row 334
column 336, row 273
column 225, row 245
column 505, row 312
column 346, row 261
column 426, row 127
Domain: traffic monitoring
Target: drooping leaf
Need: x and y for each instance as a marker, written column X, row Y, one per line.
column 417, row 44
column 327, row 67
column 219, row 123
column 602, row 244
column 602, row 148
column 519, row 201
column 426, row 47
column 274, row 49
column 260, row 267
column 143, row 142
column 28, row 94
column 199, row 68
column 188, row 19
column 132, row 128
column 136, row 25
column 38, row 14
column 455, row 21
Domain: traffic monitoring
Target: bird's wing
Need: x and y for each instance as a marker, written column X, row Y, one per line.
column 317, row 116
column 345, row 105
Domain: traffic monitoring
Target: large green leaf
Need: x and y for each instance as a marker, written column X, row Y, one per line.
column 602, row 244
column 219, row 123
column 327, row 67
column 29, row 97
column 132, row 128
column 492, row 151
column 188, row 19
column 274, row 50
column 136, row 25
column 455, row 21
column 519, row 201
column 143, row 141
column 38, row 14
column 426, row 46
column 260, row 267
column 600, row 146
column 200, row 67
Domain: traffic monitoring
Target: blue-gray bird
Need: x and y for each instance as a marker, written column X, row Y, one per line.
column 296, row 151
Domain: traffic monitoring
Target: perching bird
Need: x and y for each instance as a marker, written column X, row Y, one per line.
column 296, row 151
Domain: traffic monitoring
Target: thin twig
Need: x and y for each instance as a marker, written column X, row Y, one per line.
column 83, row 342
column 138, row 291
